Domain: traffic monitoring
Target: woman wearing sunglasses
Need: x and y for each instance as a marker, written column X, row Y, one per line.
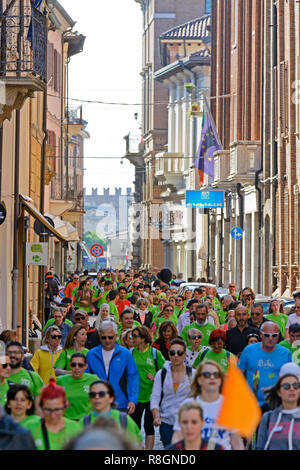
column 278, row 429
column 77, row 386
column 53, row 430
column 206, row 390
column 102, row 404
column 142, row 314
column 44, row 359
column 172, row 385
column 75, row 342
column 126, row 339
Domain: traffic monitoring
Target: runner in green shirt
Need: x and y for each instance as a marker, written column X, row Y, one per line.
column 217, row 353
column 293, row 342
column 75, row 342
column 20, row 404
column 54, row 430
column 201, row 324
column 20, row 375
column 102, row 398
column 77, row 387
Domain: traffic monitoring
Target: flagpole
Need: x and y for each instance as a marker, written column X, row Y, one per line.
column 207, row 108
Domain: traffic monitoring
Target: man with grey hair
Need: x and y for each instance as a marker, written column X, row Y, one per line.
column 114, row 363
column 261, row 362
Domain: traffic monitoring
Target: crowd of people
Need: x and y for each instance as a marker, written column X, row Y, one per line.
column 123, row 354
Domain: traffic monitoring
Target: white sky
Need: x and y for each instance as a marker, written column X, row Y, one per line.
column 107, row 70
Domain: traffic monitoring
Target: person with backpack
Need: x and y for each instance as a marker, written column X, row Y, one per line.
column 148, row 360
column 217, row 353
column 102, row 400
column 172, row 385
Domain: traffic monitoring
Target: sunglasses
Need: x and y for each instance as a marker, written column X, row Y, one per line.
column 179, row 300
column 56, row 337
column 196, row 337
column 77, row 364
column 174, row 353
column 5, row 366
column 267, row 335
column 169, row 310
column 107, row 337
column 135, row 336
column 208, row 375
column 295, row 386
column 100, row 394
column 79, row 317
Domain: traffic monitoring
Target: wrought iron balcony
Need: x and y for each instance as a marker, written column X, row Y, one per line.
column 23, row 33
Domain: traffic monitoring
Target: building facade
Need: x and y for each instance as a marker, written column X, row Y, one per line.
column 236, row 104
column 159, row 16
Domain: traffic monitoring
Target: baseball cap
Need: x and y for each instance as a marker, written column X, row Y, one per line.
column 290, row 368
column 66, row 300
column 80, row 312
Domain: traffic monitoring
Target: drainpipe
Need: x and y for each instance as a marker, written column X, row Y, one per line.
column 15, row 271
column 238, row 190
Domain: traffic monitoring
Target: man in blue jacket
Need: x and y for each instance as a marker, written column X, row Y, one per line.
column 114, row 363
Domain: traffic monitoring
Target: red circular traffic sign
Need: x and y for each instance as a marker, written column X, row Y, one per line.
column 96, row 251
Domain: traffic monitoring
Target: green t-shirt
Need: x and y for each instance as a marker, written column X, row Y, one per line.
column 51, row 321
column 113, row 310
column 295, row 351
column 159, row 320
column 29, row 378
column 3, row 392
column 146, row 365
column 64, row 359
column 77, row 392
column 132, row 428
column 205, row 330
column 31, row 420
column 179, row 311
column 221, row 358
column 222, row 316
column 56, row 440
column 280, row 319
column 103, row 299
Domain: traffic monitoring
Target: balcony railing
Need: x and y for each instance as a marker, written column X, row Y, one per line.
column 23, row 36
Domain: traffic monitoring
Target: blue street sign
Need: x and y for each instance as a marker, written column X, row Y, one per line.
column 236, row 233
column 205, row 199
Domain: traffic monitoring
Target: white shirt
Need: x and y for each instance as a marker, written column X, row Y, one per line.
column 293, row 318
column 211, row 411
column 107, row 355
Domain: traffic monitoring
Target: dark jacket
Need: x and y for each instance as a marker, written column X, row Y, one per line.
column 236, row 340
column 161, row 346
column 13, row 436
column 93, row 338
column 148, row 318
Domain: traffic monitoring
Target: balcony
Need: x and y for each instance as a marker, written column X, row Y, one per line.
column 134, row 150
column 23, row 33
column 169, row 168
column 245, row 160
column 222, row 168
column 66, row 201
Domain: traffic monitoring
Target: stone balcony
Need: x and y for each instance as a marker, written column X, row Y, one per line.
column 169, row 168
column 237, row 165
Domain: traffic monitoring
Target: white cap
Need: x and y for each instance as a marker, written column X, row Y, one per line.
column 290, row 368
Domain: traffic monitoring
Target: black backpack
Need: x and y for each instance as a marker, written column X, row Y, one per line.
column 189, row 371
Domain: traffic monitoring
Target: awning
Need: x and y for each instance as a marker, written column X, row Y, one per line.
column 34, row 212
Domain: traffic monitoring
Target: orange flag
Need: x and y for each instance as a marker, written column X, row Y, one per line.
column 240, row 410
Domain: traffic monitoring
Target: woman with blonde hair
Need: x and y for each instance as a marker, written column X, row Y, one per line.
column 75, row 342
column 44, row 359
column 206, row 389
column 126, row 339
column 103, row 315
